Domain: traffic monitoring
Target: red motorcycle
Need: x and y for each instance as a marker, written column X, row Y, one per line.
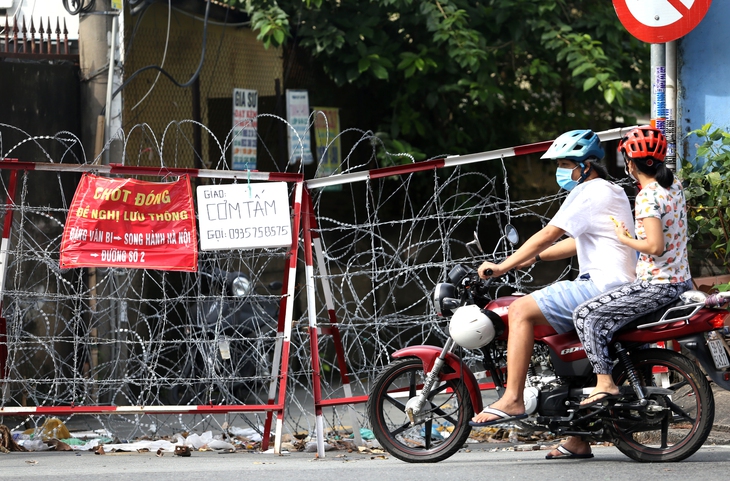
column 420, row 405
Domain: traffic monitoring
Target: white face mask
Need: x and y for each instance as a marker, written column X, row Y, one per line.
column 564, row 178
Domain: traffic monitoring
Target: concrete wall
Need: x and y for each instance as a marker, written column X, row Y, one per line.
column 703, row 77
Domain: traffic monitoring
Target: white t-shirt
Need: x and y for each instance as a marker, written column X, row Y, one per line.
column 586, row 217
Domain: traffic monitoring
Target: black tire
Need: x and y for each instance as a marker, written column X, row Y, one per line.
column 428, row 441
column 676, row 432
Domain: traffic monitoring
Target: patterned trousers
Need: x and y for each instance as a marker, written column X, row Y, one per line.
column 598, row 319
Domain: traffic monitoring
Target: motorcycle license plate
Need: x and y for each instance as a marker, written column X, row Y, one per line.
column 718, row 353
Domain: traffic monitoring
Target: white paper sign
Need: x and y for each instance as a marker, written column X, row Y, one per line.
column 297, row 114
column 245, row 112
column 244, row 216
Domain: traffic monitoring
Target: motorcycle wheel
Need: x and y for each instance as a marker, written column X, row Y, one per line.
column 677, row 431
column 438, row 434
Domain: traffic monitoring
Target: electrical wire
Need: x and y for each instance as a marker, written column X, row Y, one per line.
column 163, row 71
column 164, row 56
column 218, row 52
column 213, row 22
column 140, row 16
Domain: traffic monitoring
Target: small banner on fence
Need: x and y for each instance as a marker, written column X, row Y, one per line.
column 244, row 216
column 131, row 223
column 245, row 112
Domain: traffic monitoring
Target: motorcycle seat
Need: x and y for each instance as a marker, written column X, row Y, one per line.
column 656, row 315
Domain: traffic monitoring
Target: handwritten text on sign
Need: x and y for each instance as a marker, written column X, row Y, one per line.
column 244, row 216
column 131, row 223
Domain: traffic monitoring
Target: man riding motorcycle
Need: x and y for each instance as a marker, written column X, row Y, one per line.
column 585, row 217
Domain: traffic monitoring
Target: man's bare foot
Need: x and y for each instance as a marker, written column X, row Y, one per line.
column 510, row 409
column 573, row 447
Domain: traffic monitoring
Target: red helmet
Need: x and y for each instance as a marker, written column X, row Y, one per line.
column 643, row 142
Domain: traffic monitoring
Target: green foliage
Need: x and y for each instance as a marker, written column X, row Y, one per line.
column 707, row 192
column 462, row 76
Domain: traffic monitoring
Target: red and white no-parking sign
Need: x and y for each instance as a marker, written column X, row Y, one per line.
column 660, row 21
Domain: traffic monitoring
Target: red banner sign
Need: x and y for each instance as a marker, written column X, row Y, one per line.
column 131, row 223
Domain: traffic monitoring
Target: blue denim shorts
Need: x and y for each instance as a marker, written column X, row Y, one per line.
column 558, row 301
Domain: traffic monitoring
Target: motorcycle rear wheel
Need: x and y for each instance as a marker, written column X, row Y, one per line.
column 678, row 431
column 438, row 434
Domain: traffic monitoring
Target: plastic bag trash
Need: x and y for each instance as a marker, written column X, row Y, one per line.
column 74, row 441
column 284, row 452
column 366, row 434
column 311, row 447
column 249, row 433
column 198, row 441
column 89, row 445
column 152, row 446
column 34, row 445
column 51, row 428
column 220, row 444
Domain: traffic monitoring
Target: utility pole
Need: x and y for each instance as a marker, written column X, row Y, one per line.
column 93, row 62
column 99, row 43
column 97, row 47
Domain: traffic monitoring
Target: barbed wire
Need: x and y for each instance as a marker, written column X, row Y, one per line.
column 145, row 337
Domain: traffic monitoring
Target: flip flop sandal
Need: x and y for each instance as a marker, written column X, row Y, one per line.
column 606, row 396
column 568, row 454
column 502, row 417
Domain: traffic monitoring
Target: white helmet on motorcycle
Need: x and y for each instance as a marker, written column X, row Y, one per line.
column 471, row 328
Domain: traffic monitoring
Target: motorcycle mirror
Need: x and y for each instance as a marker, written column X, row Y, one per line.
column 475, row 244
column 511, row 234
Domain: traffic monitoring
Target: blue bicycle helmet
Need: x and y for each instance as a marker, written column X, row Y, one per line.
column 576, row 145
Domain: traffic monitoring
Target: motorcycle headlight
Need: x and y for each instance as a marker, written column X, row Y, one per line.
column 444, row 292
column 240, row 286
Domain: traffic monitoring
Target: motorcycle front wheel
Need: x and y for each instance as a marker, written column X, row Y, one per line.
column 439, row 431
column 679, row 423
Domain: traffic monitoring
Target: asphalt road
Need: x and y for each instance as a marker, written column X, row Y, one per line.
column 493, row 461
column 479, row 462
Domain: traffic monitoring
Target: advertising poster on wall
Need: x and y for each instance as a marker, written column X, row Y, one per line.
column 245, row 112
column 326, row 137
column 297, row 114
column 131, row 223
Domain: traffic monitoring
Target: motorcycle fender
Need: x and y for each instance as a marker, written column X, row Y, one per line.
column 696, row 346
column 428, row 356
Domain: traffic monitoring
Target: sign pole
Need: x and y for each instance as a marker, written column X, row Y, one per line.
column 661, row 23
column 658, row 86
column 671, row 107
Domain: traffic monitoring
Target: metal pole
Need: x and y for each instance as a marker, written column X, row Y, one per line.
column 197, row 133
column 671, row 107
column 110, row 88
column 658, row 86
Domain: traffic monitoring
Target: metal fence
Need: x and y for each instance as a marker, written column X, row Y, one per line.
column 137, row 351
column 22, row 41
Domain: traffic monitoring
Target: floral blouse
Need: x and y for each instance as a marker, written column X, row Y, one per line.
column 669, row 206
